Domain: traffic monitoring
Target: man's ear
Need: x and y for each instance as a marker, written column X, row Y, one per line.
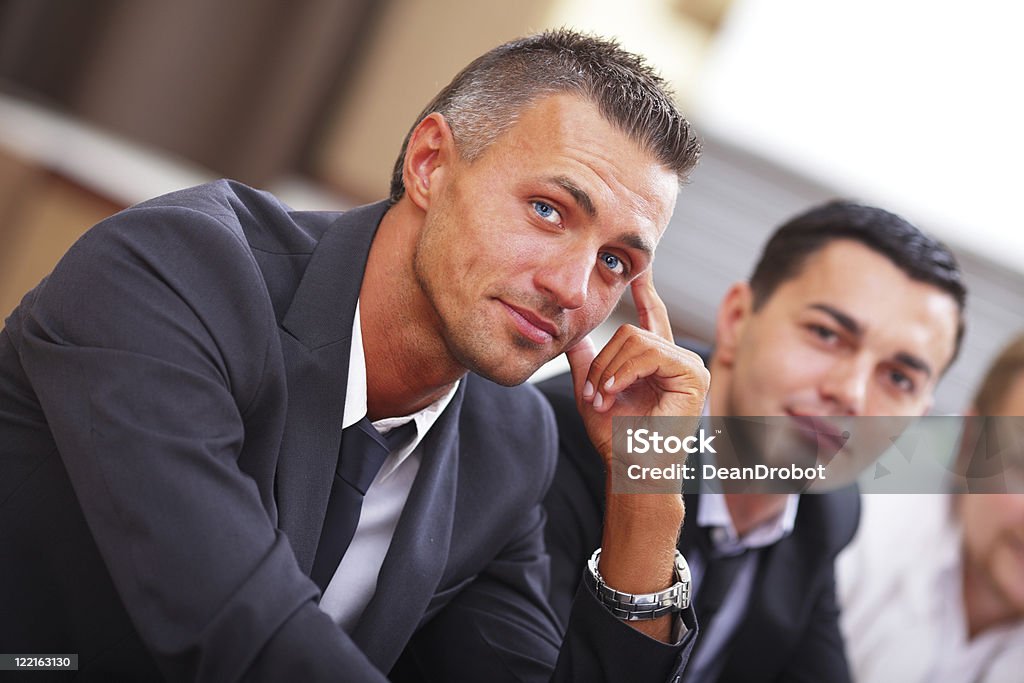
column 430, row 151
column 733, row 314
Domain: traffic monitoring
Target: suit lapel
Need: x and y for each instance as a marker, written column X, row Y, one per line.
column 315, row 339
column 418, row 553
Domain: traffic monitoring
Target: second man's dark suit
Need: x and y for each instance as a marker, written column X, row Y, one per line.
column 790, row 630
column 171, row 401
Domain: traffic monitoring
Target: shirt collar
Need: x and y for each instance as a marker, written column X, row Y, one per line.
column 355, row 391
column 713, row 513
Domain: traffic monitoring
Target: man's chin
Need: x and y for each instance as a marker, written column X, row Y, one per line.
column 503, row 371
column 508, row 361
column 503, row 376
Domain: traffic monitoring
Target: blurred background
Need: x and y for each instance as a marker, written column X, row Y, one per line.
column 904, row 103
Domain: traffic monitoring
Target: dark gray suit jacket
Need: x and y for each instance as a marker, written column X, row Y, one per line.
column 790, row 631
column 170, row 406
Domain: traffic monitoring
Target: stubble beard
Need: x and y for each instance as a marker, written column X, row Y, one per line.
column 467, row 342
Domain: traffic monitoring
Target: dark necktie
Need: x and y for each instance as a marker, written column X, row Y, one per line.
column 719, row 576
column 363, row 451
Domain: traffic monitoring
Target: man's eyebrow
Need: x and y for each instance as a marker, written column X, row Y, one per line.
column 842, row 319
column 578, row 194
column 914, row 363
column 639, row 242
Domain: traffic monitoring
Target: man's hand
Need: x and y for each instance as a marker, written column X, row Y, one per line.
column 641, row 372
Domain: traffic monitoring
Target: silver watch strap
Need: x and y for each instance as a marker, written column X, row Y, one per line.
column 641, row 606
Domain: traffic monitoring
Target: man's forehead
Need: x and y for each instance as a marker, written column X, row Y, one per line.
column 573, row 127
column 858, row 273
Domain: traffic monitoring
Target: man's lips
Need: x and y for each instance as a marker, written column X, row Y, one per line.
column 824, row 430
column 532, row 326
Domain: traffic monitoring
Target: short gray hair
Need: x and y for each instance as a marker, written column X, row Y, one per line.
column 484, row 99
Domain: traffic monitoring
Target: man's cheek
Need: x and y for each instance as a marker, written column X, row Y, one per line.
column 605, row 301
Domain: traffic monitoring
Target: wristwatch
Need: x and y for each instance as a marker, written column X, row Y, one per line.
column 641, row 606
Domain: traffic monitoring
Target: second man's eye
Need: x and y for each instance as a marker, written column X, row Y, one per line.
column 613, row 262
column 823, row 333
column 547, row 212
column 901, row 381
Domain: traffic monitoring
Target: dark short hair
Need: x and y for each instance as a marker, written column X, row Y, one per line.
column 485, row 98
column 919, row 256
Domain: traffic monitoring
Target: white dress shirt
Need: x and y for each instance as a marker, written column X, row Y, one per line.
column 355, row 580
column 900, row 589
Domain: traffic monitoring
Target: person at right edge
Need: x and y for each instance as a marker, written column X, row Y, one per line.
column 850, row 311
column 932, row 587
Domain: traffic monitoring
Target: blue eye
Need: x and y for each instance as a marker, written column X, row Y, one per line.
column 547, row 212
column 613, row 262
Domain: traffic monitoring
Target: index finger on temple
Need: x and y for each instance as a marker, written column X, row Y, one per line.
column 650, row 309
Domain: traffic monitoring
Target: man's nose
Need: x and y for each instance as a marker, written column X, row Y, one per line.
column 566, row 277
column 847, row 384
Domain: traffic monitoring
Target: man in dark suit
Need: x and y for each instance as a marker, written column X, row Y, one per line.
column 239, row 441
column 850, row 311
